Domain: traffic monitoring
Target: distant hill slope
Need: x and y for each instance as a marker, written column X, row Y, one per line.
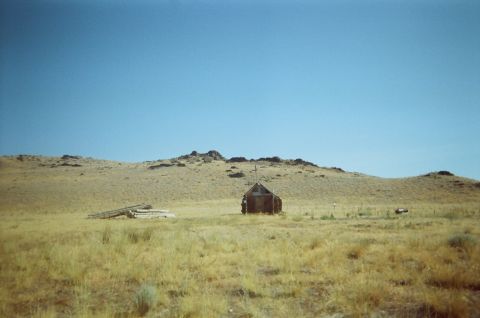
column 37, row 182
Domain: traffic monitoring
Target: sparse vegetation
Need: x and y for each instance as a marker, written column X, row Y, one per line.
column 210, row 264
column 211, row 261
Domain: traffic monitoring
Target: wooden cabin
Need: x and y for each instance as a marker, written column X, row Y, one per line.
column 259, row 199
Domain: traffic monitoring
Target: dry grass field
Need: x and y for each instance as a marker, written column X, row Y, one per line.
column 357, row 260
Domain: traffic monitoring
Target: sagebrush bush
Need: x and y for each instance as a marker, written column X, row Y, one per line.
column 461, row 240
column 145, row 298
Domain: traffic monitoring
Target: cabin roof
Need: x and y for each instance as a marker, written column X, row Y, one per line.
column 258, row 186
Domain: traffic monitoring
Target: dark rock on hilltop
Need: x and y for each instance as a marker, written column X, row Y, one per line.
column 66, row 164
column 161, row 165
column 28, row 158
column 337, row 169
column 213, row 154
column 445, row 173
column 439, row 173
column 271, row 159
column 193, row 154
column 237, row 159
column 67, row 157
column 237, row 175
column 303, row 162
column 276, row 159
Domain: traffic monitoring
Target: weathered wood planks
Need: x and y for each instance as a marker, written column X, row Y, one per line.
column 139, row 211
column 117, row 212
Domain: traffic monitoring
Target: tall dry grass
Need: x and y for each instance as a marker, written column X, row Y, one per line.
column 229, row 265
column 356, row 259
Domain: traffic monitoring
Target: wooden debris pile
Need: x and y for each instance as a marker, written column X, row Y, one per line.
column 139, row 211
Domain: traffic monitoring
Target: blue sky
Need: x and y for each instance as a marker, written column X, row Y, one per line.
column 388, row 88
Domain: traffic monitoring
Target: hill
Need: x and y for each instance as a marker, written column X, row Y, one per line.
column 354, row 259
column 79, row 184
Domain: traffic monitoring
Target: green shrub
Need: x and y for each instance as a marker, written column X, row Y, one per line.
column 145, row 298
column 327, row 217
column 461, row 240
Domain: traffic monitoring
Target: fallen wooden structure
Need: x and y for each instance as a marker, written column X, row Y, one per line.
column 139, row 211
column 150, row 214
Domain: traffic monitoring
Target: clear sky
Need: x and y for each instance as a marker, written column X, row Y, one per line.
column 387, row 88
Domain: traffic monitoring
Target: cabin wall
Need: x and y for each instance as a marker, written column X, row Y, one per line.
column 278, row 205
column 263, row 203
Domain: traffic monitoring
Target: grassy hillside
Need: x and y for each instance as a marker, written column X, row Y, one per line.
column 357, row 260
column 49, row 184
